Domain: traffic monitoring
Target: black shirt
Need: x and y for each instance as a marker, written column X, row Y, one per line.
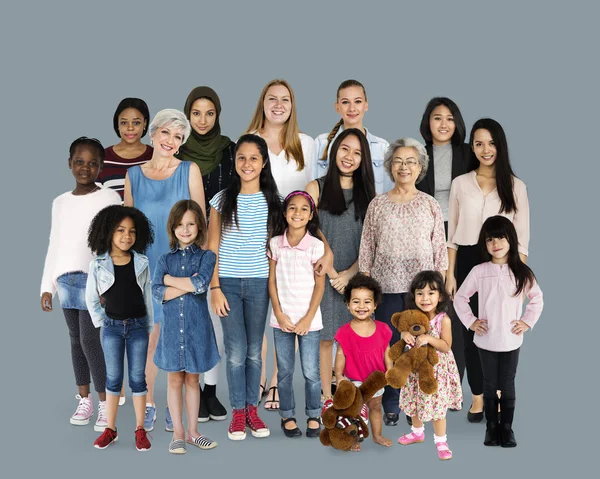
column 124, row 299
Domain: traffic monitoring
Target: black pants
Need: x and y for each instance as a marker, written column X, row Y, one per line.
column 392, row 303
column 499, row 371
column 466, row 258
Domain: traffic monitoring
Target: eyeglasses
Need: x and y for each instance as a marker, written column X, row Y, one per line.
column 409, row 163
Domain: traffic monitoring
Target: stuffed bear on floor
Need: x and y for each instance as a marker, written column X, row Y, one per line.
column 415, row 360
column 342, row 421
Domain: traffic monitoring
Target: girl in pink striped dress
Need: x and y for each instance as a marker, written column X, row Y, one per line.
column 296, row 292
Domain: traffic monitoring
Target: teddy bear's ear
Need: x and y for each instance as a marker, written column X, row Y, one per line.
column 396, row 320
column 344, row 395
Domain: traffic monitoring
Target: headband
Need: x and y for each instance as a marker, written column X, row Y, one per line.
column 306, row 195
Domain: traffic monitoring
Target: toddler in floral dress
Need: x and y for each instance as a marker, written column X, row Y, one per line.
column 427, row 293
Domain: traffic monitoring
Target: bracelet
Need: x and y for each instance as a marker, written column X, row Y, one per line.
column 215, row 287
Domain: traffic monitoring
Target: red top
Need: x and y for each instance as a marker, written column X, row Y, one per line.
column 115, row 168
column 364, row 355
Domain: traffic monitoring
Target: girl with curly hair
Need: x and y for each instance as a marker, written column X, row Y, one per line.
column 119, row 299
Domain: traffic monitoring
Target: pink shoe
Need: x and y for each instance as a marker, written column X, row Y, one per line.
column 411, row 438
column 85, row 410
column 444, row 453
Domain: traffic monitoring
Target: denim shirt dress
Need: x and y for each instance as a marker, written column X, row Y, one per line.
column 187, row 338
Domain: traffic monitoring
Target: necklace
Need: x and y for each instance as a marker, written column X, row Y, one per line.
column 95, row 189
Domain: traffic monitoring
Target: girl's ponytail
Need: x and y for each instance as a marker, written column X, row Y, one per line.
column 330, row 138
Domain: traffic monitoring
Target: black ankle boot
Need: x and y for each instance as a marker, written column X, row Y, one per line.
column 490, row 406
column 507, row 436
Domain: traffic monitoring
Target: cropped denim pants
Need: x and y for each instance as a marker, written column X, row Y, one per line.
column 285, row 347
column 125, row 336
column 243, row 330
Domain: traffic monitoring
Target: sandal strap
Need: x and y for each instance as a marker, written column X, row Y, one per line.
column 285, row 421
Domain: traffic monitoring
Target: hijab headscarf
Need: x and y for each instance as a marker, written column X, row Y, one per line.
column 204, row 150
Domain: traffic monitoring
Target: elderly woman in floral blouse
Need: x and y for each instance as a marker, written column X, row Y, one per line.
column 403, row 234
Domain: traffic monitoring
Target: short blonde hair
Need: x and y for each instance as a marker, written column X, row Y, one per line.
column 174, row 119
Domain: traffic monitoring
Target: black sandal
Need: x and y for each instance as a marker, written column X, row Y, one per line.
column 296, row 432
column 313, row 431
column 271, row 401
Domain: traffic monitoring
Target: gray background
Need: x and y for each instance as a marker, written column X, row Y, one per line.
column 532, row 67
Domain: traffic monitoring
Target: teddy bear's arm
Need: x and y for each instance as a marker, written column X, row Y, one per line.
column 396, row 350
column 432, row 355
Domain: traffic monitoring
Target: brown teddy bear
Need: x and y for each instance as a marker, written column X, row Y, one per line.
column 415, row 360
column 343, row 425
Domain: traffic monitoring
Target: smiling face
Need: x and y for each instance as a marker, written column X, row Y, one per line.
column 498, row 249
column 277, row 105
column 361, row 304
column 352, row 105
column 187, row 229
column 484, row 147
column 441, row 123
column 348, row 156
column 131, row 125
column 167, row 140
column 297, row 212
column 248, row 162
column 124, row 236
column 203, row 116
column 405, row 165
column 427, row 300
column 85, row 165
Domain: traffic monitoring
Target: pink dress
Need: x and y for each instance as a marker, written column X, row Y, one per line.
column 432, row 407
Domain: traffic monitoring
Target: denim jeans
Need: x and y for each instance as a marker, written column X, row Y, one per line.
column 118, row 336
column 285, row 345
column 243, row 330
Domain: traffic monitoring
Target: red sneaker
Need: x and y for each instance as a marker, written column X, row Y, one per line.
column 141, row 439
column 255, row 423
column 106, row 439
column 237, row 427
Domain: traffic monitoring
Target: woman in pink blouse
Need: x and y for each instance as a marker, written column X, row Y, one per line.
column 403, row 234
column 490, row 188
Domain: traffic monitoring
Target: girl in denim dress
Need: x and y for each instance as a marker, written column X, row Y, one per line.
column 186, row 345
column 119, row 298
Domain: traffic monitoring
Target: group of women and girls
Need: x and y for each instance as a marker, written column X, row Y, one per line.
column 313, row 235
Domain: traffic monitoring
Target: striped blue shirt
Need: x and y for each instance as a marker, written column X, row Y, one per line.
column 242, row 252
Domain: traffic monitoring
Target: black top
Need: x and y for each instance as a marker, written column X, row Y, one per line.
column 218, row 179
column 124, row 299
column 460, row 165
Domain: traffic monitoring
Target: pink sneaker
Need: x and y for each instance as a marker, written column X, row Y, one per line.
column 411, row 438
column 101, row 421
column 84, row 411
column 364, row 413
column 444, row 452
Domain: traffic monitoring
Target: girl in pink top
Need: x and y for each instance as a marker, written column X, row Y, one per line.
column 363, row 346
column 296, row 291
column 501, row 284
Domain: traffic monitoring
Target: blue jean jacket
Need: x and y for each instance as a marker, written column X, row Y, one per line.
column 102, row 276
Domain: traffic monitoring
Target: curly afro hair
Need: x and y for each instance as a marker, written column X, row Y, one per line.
column 106, row 221
column 362, row 281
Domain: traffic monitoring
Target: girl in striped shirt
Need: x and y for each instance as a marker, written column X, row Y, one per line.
column 296, row 292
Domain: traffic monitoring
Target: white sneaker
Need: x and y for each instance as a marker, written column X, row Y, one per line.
column 84, row 411
column 101, row 422
column 122, row 400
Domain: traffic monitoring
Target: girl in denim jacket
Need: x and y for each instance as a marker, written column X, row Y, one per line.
column 119, row 299
column 186, row 345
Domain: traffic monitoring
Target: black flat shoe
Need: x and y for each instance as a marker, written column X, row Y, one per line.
column 491, row 434
column 409, row 420
column 313, row 431
column 216, row 410
column 391, row 418
column 507, row 436
column 296, row 432
column 474, row 416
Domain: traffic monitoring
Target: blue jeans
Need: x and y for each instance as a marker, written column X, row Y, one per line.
column 285, row 347
column 118, row 336
column 243, row 331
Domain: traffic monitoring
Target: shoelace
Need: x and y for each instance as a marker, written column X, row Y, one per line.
column 102, row 412
column 84, row 408
column 255, row 421
column 238, row 422
column 141, row 435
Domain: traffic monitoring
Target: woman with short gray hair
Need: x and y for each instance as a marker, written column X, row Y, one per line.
column 403, row 234
column 154, row 188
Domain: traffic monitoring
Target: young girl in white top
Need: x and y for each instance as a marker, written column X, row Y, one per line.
column 65, row 270
column 290, row 156
column 501, row 284
column 351, row 104
column 296, row 292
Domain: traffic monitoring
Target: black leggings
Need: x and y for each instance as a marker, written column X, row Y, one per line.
column 466, row 258
column 499, row 371
column 86, row 349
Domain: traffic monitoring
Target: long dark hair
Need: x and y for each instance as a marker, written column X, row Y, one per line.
column 268, row 187
column 459, row 124
column 502, row 227
column 363, row 179
column 313, row 224
column 504, row 173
